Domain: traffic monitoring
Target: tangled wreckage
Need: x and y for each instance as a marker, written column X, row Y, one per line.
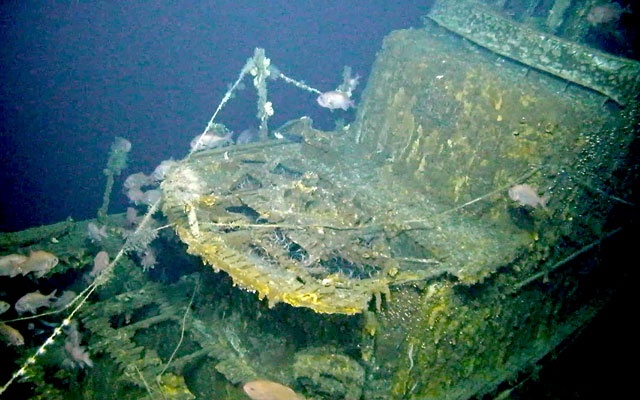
column 385, row 259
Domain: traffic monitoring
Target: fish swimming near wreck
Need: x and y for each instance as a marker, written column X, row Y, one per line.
column 606, row 14
column 30, row 302
column 4, row 307
column 335, row 99
column 267, row 390
column 9, row 264
column 11, row 335
column 527, row 195
column 210, row 140
column 247, row 136
column 39, row 262
column 100, row 263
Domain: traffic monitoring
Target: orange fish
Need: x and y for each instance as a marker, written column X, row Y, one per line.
column 268, row 390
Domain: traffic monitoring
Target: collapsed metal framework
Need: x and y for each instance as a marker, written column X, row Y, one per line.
column 311, row 222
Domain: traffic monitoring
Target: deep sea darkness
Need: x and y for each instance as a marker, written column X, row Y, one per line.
column 75, row 74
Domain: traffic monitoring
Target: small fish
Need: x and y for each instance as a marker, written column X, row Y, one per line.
column 137, row 180
column 150, row 197
column 30, row 302
column 210, row 141
column 100, row 263
column 96, row 233
column 131, row 217
column 40, row 262
column 4, row 306
column 11, row 335
column 250, row 135
column 606, row 14
column 148, row 259
column 526, row 195
column 335, row 99
column 163, row 169
column 268, row 390
column 10, row 264
column 77, row 356
column 65, row 299
column 135, row 195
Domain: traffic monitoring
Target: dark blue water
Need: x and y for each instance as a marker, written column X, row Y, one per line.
column 74, row 74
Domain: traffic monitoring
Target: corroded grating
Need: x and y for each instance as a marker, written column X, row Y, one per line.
column 312, row 223
column 116, row 322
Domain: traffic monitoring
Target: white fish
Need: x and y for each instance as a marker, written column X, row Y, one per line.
column 248, row 136
column 526, row 195
column 10, row 264
column 77, row 355
column 210, row 141
column 132, row 217
column 40, row 262
column 100, row 263
column 150, row 197
column 135, row 195
column 137, row 180
column 30, row 302
column 606, row 14
column 335, row 99
column 96, row 233
column 65, row 299
column 148, row 259
column 163, row 169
